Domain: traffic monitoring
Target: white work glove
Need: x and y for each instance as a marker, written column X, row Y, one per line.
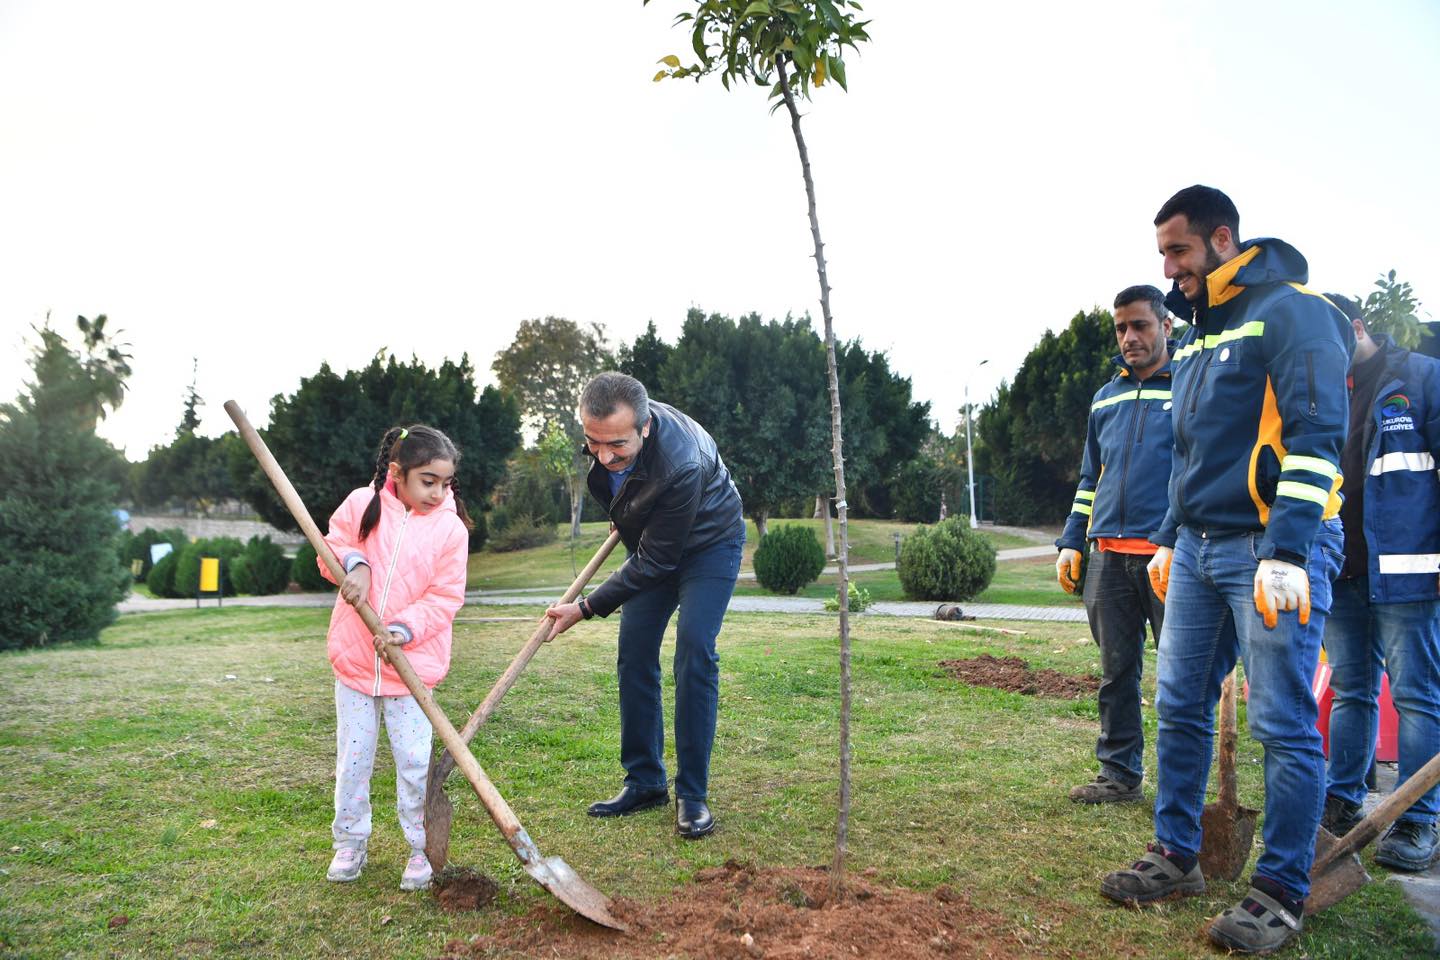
column 1067, row 570
column 1159, row 570
column 1281, row 586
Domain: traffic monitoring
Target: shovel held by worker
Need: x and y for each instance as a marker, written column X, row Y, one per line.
column 439, row 812
column 1337, row 872
column 552, row 873
column 1227, row 829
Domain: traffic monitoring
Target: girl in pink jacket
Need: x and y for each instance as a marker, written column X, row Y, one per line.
column 404, row 544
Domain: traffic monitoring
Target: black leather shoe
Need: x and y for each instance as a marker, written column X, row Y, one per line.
column 692, row 818
column 630, row 800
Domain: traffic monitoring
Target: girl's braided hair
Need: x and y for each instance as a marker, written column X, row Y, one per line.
column 411, row 447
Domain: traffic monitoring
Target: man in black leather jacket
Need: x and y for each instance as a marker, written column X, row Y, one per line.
column 667, row 491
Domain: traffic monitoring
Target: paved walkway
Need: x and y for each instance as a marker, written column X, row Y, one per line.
column 540, row 596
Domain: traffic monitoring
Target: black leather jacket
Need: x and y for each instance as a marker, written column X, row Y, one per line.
column 677, row 500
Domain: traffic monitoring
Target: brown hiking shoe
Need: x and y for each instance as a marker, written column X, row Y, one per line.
column 1104, row 790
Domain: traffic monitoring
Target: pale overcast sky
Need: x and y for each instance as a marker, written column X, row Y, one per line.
column 267, row 185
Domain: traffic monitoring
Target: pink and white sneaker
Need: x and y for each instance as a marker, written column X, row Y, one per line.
column 417, row 872
column 346, row 865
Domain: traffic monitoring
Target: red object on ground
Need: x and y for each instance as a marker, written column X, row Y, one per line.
column 1387, row 739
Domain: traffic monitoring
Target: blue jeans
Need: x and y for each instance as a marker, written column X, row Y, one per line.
column 1405, row 638
column 1118, row 601
column 701, row 589
column 1210, row 620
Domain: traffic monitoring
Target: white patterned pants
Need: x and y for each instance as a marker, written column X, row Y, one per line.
column 357, row 730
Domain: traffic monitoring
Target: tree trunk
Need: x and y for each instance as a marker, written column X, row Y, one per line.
column 842, row 825
column 577, row 506
column 760, row 516
column 829, row 533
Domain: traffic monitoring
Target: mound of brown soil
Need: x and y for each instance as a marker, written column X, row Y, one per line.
column 1015, row 675
column 739, row 912
column 460, row 888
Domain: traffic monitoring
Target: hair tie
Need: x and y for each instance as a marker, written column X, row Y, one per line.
column 403, row 434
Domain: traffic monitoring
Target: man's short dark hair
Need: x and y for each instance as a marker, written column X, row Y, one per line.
column 1205, row 208
column 609, row 391
column 1348, row 306
column 1143, row 292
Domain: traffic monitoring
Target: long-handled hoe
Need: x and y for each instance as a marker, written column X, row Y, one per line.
column 439, row 812
column 552, row 873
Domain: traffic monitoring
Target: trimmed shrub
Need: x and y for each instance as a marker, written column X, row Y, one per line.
column 137, row 547
column 788, row 558
column 948, row 561
column 521, row 533
column 162, row 576
column 187, row 570
column 262, row 569
column 305, row 573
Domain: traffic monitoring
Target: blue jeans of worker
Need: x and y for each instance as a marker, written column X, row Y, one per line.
column 1118, row 601
column 1403, row 639
column 701, row 589
column 1210, row 620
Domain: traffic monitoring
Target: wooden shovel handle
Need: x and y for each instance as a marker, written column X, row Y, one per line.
column 540, row 637
column 1228, row 793
column 494, row 804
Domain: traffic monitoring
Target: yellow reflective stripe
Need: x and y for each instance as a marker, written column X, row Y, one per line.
column 1131, row 395
column 1294, row 461
column 1255, row 328
column 1085, row 495
column 1303, row 491
column 1078, row 507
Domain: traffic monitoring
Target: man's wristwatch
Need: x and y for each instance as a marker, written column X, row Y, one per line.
column 585, row 610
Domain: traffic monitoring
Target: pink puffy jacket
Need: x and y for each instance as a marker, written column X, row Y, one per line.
column 417, row 580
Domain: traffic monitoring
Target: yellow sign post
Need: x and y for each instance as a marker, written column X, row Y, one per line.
column 209, row 580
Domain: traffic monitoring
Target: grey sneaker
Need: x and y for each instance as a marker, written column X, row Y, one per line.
column 1104, row 790
column 1153, row 877
column 1340, row 816
column 346, row 865
column 1261, row 922
column 1407, row 845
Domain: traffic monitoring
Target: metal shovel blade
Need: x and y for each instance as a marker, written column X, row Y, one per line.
column 439, row 813
column 1227, row 829
column 1228, row 833
column 555, row 875
column 1336, row 878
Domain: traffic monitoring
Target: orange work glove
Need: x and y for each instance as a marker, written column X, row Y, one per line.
column 1159, row 570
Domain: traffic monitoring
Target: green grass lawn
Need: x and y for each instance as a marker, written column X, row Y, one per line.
column 871, row 541
column 138, row 779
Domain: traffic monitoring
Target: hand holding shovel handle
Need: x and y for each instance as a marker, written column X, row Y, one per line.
column 539, row 638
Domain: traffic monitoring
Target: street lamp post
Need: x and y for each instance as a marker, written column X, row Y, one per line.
column 969, row 457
